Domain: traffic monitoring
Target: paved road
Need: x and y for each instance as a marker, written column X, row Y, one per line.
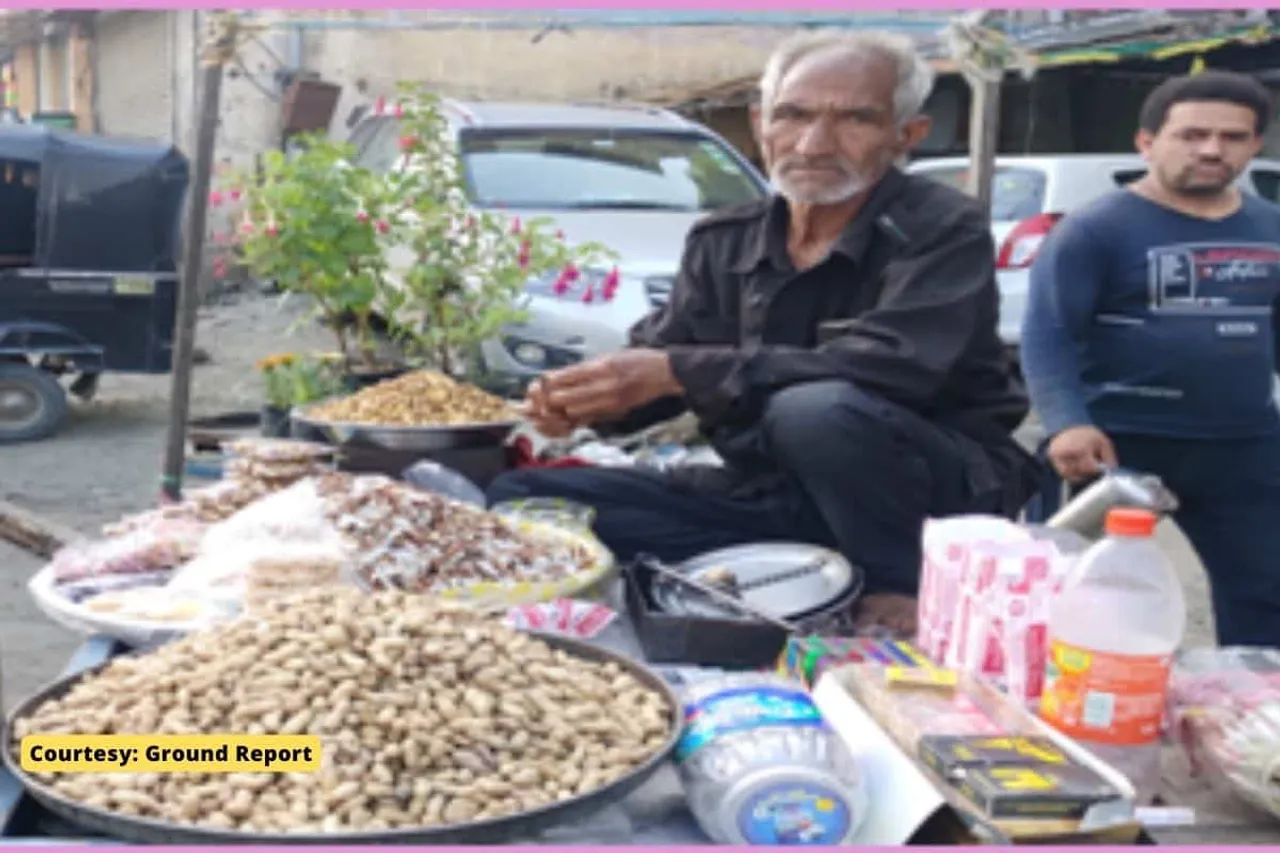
column 107, row 464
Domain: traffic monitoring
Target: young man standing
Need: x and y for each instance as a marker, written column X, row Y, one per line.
column 1150, row 339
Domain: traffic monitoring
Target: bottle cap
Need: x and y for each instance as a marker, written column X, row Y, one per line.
column 1131, row 522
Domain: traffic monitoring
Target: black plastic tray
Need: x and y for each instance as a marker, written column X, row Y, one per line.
column 697, row 640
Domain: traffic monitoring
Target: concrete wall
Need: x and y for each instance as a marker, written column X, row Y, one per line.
column 136, row 74
column 147, row 69
column 582, row 65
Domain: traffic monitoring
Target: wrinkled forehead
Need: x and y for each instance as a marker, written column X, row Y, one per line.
column 835, row 80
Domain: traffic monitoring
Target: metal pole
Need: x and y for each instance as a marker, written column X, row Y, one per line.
column 984, row 132
column 192, row 262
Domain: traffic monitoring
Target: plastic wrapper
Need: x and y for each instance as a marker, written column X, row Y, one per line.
column 156, row 547
column 986, row 587
column 259, row 569
column 1224, row 709
column 82, row 590
column 153, row 604
column 278, row 450
column 582, row 619
column 422, row 542
column 294, row 514
column 434, row 477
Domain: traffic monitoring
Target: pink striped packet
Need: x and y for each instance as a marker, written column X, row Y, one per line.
column 582, row 619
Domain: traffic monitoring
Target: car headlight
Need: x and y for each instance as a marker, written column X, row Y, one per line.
column 538, row 356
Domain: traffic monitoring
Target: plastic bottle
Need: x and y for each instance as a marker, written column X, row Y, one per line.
column 1113, row 632
column 761, row 767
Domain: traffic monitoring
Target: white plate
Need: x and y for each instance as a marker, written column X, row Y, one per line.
column 131, row 631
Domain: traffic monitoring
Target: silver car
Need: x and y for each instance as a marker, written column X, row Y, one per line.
column 632, row 178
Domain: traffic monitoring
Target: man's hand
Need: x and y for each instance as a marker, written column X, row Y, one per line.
column 1080, row 452
column 610, row 386
column 546, row 420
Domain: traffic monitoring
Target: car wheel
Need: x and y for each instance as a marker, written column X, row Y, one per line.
column 32, row 404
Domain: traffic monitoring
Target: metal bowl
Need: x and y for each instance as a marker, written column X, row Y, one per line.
column 496, row 830
column 425, row 439
column 809, row 580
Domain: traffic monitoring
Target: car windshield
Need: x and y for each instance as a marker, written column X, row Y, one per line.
column 1016, row 193
column 603, row 169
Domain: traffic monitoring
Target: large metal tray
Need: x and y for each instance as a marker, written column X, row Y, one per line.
column 504, row 829
column 413, row 439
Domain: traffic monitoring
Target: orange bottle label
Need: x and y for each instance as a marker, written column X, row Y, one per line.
column 1105, row 698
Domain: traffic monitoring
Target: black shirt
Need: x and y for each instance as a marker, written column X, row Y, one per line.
column 904, row 306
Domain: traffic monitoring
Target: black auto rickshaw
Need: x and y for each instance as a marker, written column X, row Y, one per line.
column 89, row 234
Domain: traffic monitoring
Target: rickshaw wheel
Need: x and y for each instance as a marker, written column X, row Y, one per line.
column 32, row 404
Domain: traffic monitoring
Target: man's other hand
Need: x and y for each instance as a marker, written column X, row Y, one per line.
column 1080, row 452
column 610, row 386
column 548, row 421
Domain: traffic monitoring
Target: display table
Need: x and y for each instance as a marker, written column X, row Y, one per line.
column 656, row 814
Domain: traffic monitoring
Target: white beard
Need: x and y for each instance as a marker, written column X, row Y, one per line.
column 834, row 193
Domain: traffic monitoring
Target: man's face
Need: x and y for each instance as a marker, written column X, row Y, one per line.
column 1202, row 147
column 831, row 131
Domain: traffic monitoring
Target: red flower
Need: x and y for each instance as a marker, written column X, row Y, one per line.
column 273, row 230
column 560, row 235
column 525, row 251
column 561, row 286
column 383, row 226
column 235, row 195
column 515, row 225
column 609, row 288
column 362, row 216
column 408, row 143
column 399, row 111
column 247, row 228
column 571, row 273
column 589, row 295
column 215, row 198
column 222, row 238
column 220, row 268
column 380, row 106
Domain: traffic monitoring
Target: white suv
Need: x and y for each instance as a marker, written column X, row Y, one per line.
column 631, row 178
column 1031, row 193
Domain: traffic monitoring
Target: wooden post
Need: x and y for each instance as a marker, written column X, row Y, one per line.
column 984, row 133
column 217, row 53
column 42, row 537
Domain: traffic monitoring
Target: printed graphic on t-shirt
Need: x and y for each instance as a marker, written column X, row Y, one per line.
column 1214, row 278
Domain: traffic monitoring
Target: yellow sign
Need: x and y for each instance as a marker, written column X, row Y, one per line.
column 1021, row 779
column 170, row 753
column 134, row 285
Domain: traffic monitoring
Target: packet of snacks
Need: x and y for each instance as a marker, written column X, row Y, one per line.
column 582, row 619
column 950, row 546
column 986, row 588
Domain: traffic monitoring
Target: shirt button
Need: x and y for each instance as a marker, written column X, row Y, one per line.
column 756, row 300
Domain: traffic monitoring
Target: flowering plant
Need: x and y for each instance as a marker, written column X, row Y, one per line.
column 315, row 224
column 470, row 267
column 291, row 380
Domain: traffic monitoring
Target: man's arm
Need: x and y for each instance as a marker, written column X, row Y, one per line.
column 934, row 299
column 673, row 324
column 1065, row 281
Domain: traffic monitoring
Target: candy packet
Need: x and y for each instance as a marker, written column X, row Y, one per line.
column 582, row 619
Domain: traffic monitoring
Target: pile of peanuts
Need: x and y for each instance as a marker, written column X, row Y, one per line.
column 429, row 714
column 424, row 398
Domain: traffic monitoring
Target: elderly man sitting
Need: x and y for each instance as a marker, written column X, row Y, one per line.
column 837, row 344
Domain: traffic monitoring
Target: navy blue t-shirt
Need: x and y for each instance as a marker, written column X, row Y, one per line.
column 1143, row 320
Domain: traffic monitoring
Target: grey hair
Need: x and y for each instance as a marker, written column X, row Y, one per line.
column 914, row 76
